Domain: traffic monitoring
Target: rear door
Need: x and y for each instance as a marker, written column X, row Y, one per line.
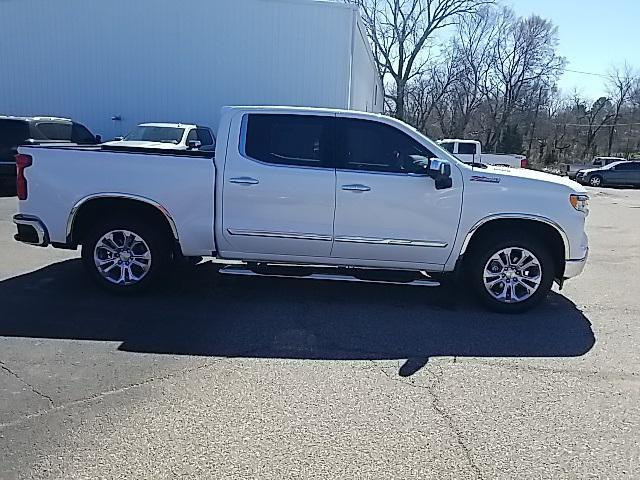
column 387, row 207
column 279, row 187
column 621, row 174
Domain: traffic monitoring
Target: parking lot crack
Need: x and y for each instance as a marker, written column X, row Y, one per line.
column 440, row 411
column 101, row 395
column 4, row 367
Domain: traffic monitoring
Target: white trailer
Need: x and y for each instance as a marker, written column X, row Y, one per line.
column 112, row 64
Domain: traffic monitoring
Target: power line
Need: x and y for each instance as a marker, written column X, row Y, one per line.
column 585, row 73
column 594, row 125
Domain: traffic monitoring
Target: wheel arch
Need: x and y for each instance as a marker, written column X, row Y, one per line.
column 100, row 203
column 542, row 227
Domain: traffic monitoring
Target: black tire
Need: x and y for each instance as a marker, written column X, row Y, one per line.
column 596, row 181
column 153, row 237
column 486, row 248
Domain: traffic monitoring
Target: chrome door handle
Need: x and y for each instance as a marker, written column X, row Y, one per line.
column 357, row 187
column 244, row 181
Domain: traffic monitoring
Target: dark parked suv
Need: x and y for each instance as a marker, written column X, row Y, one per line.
column 619, row 173
column 16, row 131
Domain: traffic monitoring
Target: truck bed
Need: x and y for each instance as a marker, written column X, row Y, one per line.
column 179, row 182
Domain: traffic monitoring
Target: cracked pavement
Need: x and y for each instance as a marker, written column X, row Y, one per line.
column 258, row 378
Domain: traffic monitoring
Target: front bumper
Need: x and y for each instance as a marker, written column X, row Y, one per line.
column 31, row 230
column 573, row 268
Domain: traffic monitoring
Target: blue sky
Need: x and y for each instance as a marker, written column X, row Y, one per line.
column 593, row 36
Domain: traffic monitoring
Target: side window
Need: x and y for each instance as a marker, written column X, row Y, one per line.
column 467, row 148
column 377, row 147
column 13, row 133
column 205, row 137
column 597, row 163
column 193, row 136
column 624, row 167
column 448, row 146
column 55, row 131
column 298, row 140
column 81, row 135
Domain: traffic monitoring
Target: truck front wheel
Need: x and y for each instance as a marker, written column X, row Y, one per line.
column 511, row 275
column 125, row 255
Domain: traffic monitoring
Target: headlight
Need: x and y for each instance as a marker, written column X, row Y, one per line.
column 580, row 203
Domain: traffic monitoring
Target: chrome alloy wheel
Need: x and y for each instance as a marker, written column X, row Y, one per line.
column 512, row 275
column 122, row 257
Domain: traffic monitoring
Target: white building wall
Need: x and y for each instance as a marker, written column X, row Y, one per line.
column 170, row 60
column 366, row 85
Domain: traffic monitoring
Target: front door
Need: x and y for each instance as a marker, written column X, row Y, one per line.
column 279, row 188
column 387, row 207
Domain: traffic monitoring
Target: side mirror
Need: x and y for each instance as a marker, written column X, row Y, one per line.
column 194, row 144
column 98, row 138
column 440, row 171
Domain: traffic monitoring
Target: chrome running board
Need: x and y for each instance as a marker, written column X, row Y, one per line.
column 336, row 277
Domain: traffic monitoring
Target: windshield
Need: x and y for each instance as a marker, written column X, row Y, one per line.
column 156, row 134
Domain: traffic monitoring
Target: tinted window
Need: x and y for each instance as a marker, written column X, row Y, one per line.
column 288, row 139
column 448, row 146
column 625, row 166
column 372, row 146
column 81, row 135
column 205, row 137
column 193, row 136
column 467, row 148
column 13, row 132
column 55, row 131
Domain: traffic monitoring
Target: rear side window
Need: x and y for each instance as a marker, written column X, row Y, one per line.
column 467, row 148
column 55, row 130
column 205, row 137
column 448, row 146
column 377, row 147
column 625, row 166
column 13, row 132
column 81, row 135
column 298, row 140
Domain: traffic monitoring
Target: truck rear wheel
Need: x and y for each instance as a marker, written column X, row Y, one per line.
column 125, row 255
column 511, row 275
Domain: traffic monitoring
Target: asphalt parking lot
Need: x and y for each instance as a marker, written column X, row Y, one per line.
column 217, row 377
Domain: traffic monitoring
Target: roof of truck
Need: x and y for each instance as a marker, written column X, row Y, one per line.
column 168, row 125
column 458, row 140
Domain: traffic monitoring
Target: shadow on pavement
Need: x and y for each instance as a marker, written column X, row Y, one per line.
column 205, row 313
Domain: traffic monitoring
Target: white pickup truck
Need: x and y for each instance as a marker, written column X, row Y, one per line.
column 349, row 195
column 470, row 152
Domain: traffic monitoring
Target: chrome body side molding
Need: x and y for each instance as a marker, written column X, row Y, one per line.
column 392, row 241
column 288, row 235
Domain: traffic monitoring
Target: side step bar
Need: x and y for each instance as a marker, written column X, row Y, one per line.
column 337, row 277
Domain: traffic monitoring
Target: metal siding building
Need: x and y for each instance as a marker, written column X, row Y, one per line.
column 180, row 61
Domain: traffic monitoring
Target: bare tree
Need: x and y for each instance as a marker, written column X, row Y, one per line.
column 620, row 82
column 524, row 56
column 401, row 31
column 596, row 118
column 471, row 54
